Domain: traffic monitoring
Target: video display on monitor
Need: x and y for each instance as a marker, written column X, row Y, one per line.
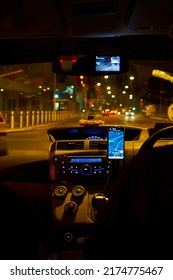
column 107, row 64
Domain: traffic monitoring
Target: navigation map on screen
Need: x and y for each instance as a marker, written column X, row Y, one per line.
column 116, row 143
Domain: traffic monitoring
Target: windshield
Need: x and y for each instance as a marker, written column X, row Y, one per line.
column 140, row 97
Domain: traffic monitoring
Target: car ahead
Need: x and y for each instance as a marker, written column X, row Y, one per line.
column 106, row 112
column 129, row 113
column 76, row 184
column 114, row 112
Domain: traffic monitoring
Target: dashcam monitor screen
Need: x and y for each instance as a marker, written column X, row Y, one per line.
column 107, row 63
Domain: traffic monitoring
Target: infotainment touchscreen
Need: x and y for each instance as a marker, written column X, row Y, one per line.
column 116, row 142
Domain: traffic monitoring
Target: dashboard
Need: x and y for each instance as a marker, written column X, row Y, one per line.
column 84, row 163
column 91, row 133
column 67, row 192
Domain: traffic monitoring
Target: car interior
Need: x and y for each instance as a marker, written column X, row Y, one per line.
column 97, row 184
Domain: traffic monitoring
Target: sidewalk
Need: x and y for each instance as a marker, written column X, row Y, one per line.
column 4, row 128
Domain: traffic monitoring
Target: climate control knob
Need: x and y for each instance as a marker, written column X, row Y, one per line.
column 60, row 191
column 78, row 191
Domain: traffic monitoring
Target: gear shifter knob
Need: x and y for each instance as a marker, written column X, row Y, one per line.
column 99, row 201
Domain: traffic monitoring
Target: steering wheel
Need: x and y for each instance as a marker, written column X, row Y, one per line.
column 162, row 133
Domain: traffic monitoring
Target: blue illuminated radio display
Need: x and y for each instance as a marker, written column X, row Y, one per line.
column 86, row 160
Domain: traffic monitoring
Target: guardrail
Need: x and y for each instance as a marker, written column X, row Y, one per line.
column 22, row 119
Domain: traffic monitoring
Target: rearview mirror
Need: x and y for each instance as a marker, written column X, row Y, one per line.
column 90, row 65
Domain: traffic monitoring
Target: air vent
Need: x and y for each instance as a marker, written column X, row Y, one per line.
column 70, row 145
column 98, row 145
column 95, row 8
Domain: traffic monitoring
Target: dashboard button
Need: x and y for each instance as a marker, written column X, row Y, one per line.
column 68, row 237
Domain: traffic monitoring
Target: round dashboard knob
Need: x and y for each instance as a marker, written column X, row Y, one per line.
column 68, row 236
column 60, row 191
column 78, row 191
column 86, row 170
column 70, row 208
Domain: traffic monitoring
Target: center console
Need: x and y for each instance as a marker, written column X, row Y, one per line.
column 80, row 179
